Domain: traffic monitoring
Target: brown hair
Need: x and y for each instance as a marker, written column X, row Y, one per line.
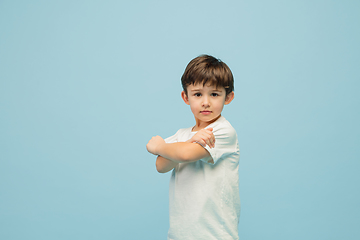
column 207, row 69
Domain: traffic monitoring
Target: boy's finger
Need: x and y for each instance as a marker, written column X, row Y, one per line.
column 201, row 142
column 208, row 131
column 208, row 142
column 213, row 141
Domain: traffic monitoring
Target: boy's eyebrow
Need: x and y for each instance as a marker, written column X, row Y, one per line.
column 196, row 90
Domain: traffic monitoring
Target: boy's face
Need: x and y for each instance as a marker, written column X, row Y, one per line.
column 206, row 102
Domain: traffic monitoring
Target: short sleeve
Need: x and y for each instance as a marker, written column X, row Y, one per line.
column 225, row 143
column 173, row 138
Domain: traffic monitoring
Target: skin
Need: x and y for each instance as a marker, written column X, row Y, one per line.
column 206, row 103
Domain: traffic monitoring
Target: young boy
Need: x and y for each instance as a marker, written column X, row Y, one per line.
column 204, row 185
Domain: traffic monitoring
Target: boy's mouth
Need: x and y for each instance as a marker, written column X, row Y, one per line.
column 206, row 112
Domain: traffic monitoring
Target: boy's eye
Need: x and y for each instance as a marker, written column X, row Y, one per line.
column 197, row 94
column 214, row 94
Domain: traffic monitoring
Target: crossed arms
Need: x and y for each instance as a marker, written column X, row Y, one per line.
column 170, row 154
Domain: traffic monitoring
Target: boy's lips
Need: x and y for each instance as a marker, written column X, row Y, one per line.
column 206, row 112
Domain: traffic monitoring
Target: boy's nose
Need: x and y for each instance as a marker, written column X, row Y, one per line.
column 205, row 102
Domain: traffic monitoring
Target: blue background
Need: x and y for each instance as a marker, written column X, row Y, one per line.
column 85, row 84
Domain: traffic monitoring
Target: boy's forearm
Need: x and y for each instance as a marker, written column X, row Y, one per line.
column 182, row 152
column 164, row 165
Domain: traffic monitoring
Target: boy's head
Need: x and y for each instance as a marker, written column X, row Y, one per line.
column 208, row 85
column 208, row 70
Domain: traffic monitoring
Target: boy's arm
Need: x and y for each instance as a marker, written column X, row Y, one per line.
column 177, row 152
column 164, row 165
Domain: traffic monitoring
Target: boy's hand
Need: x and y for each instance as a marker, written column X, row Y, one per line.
column 204, row 137
column 153, row 144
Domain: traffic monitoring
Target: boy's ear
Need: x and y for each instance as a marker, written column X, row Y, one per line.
column 229, row 98
column 185, row 97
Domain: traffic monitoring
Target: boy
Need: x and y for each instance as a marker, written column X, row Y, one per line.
column 204, row 185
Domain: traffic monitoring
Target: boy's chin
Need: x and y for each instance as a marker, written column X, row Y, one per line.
column 208, row 119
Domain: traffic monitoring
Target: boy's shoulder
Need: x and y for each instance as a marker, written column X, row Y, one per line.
column 222, row 126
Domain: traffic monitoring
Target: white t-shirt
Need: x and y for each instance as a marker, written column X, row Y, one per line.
column 204, row 196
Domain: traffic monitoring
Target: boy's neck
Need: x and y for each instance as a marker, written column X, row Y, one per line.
column 201, row 125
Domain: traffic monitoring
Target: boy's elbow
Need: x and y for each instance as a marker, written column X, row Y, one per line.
column 163, row 171
column 160, row 169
